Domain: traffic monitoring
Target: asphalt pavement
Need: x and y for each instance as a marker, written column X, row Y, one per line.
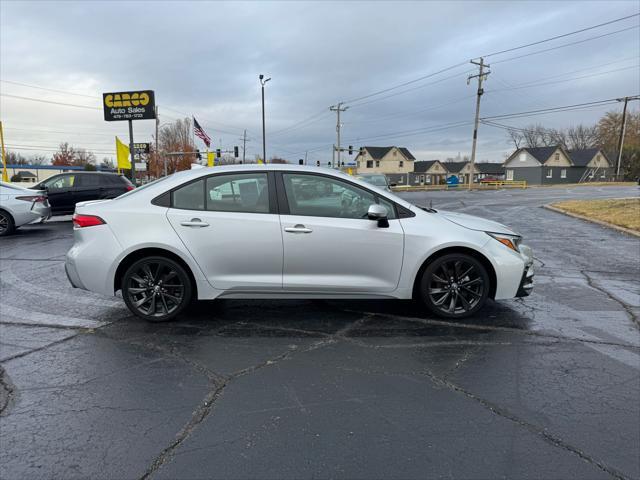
column 542, row 387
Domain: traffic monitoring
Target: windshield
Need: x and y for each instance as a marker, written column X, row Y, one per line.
column 377, row 180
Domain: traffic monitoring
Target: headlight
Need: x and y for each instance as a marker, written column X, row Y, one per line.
column 511, row 241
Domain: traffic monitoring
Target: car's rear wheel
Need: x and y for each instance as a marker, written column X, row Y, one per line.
column 454, row 286
column 156, row 289
column 7, row 226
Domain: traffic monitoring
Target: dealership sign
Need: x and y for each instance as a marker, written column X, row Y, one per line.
column 141, row 148
column 138, row 105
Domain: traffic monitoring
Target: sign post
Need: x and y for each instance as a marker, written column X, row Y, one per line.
column 135, row 105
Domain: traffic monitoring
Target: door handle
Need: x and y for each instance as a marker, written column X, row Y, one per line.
column 194, row 222
column 298, row 229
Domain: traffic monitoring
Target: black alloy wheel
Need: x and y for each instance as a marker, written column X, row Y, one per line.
column 156, row 289
column 454, row 286
column 6, row 224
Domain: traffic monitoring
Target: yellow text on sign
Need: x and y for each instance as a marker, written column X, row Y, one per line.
column 126, row 99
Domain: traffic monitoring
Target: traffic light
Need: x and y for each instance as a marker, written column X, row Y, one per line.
column 317, row 163
column 198, row 156
column 235, row 152
column 218, row 153
column 343, row 164
column 301, row 162
column 350, row 149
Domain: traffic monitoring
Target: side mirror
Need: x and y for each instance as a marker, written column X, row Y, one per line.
column 378, row 213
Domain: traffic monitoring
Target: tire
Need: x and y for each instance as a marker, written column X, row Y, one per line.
column 147, row 292
column 7, row 225
column 454, row 286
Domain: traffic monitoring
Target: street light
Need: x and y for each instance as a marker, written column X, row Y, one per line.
column 264, row 141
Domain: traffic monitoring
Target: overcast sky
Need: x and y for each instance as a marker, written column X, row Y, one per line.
column 203, row 59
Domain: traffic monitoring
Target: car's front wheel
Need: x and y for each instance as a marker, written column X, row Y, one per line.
column 156, row 288
column 454, row 285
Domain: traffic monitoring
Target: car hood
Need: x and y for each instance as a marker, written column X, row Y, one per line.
column 476, row 223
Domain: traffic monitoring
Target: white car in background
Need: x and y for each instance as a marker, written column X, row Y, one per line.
column 20, row 206
column 251, row 231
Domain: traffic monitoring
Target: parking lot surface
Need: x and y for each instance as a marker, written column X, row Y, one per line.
column 542, row 387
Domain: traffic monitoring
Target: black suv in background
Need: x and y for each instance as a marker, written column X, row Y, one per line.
column 67, row 189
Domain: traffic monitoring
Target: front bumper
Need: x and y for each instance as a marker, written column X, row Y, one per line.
column 526, row 283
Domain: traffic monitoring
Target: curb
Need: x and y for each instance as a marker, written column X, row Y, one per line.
column 592, row 220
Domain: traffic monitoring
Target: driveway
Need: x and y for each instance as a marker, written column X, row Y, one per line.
column 542, row 387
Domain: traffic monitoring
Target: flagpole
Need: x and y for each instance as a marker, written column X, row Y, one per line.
column 5, row 175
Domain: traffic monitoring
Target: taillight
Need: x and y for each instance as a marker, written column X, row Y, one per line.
column 129, row 188
column 33, row 198
column 81, row 221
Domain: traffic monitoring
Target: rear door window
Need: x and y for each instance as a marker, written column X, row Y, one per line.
column 189, row 196
column 88, row 180
column 246, row 192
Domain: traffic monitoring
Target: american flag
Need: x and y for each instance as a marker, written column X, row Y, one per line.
column 197, row 129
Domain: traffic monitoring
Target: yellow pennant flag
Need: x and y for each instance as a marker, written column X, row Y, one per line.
column 210, row 159
column 122, row 154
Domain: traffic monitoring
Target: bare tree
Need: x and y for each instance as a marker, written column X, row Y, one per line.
column 107, row 163
column 65, row 155
column 175, row 137
column 516, row 137
column 38, row 159
column 84, row 157
column 582, row 137
column 13, row 158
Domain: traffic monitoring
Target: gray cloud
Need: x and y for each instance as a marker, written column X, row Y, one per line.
column 203, row 58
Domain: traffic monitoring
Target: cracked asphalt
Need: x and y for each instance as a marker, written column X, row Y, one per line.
column 542, row 387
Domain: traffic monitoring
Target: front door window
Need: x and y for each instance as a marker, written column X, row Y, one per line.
column 320, row 196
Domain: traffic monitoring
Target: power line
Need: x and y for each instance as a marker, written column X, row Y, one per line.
column 66, row 92
column 538, row 83
column 564, row 45
column 410, row 89
column 562, row 35
column 317, row 116
column 424, row 77
column 31, row 99
column 552, row 109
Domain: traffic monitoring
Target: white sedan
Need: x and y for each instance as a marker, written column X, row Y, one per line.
column 283, row 231
column 20, row 205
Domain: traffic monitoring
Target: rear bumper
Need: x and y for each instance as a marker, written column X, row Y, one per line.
column 72, row 275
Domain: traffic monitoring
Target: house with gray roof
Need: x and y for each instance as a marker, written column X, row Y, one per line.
column 555, row 164
column 395, row 162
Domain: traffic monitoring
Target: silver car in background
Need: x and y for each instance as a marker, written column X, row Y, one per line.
column 20, row 206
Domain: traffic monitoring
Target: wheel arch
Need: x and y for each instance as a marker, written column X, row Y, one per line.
column 136, row 255
column 486, row 263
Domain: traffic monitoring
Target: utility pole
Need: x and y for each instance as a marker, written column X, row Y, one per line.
column 481, row 76
column 244, row 145
column 338, row 108
column 622, row 131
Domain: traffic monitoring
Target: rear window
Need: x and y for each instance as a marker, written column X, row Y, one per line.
column 122, row 179
column 139, row 189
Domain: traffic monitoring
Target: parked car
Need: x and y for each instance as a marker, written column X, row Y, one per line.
column 490, row 179
column 182, row 238
column 67, row 189
column 376, row 179
column 20, row 205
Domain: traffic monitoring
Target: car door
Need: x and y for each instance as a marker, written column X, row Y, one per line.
column 329, row 243
column 228, row 222
column 86, row 187
column 60, row 193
